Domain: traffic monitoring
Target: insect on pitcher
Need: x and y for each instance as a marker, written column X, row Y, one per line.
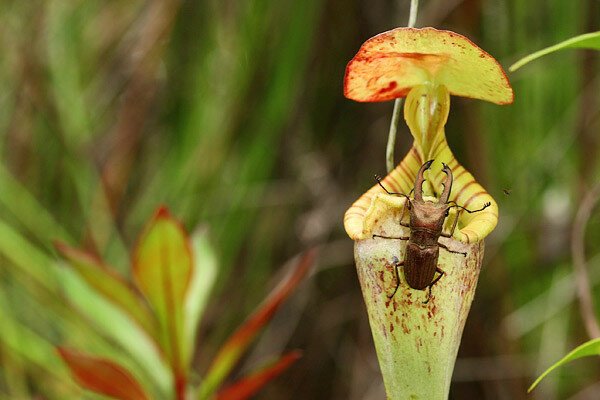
column 426, row 225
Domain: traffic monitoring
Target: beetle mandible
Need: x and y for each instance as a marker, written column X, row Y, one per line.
column 426, row 226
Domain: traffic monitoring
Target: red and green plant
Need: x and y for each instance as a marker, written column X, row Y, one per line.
column 165, row 302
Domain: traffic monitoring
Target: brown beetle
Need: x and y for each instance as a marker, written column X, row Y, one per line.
column 426, row 225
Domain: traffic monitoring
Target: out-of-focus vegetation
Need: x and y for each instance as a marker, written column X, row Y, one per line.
column 231, row 113
column 589, row 348
column 173, row 276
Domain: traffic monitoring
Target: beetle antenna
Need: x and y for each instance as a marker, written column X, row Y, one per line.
column 486, row 205
column 378, row 179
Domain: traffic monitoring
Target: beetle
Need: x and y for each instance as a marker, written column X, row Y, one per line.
column 426, row 226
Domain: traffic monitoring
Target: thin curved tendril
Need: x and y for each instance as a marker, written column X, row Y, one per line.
column 586, row 304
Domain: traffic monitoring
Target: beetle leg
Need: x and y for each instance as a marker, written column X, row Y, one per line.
column 460, row 209
column 404, row 212
column 449, row 235
column 441, row 273
column 443, row 246
column 428, row 295
column 397, row 265
column 486, row 205
column 378, row 179
column 390, row 237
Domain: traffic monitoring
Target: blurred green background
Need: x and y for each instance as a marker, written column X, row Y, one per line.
column 232, row 114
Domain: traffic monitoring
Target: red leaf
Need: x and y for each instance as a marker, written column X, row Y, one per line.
column 250, row 385
column 102, row 376
column 235, row 346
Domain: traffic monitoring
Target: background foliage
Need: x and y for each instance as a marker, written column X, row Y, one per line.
column 231, row 113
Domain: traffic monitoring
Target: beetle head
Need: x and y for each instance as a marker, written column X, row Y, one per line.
column 428, row 214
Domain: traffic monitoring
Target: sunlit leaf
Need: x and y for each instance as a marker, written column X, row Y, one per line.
column 388, row 65
column 251, row 384
column 203, row 279
column 111, row 285
column 110, row 321
column 237, row 344
column 585, row 41
column 590, row 348
column 162, row 267
column 27, row 257
column 103, row 376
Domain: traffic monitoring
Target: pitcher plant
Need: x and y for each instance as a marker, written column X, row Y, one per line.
column 417, row 332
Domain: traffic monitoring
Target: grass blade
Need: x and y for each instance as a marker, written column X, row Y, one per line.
column 585, row 41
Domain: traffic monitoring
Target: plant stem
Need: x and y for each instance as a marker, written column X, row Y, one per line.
column 180, row 387
column 391, row 144
column 414, row 7
column 586, row 305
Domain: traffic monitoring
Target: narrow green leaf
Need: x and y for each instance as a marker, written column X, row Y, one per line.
column 26, row 208
column 111, row 285
column 203, row 279
column 26, row 343
column 162, row 267
column 103, row 376
column 237, row 343
column 585, row 41
column 137, row 350
column 27, row 257
column 251, row 384
column 589, row 348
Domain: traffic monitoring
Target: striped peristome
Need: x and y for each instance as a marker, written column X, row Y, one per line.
column 430, row 144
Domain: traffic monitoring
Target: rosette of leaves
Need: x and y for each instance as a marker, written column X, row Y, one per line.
column 417, row 340
column 172, row 279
